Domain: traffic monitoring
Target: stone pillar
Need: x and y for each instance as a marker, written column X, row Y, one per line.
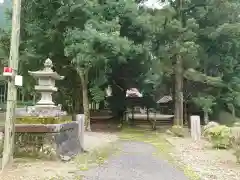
column 195, row 128
column 81, row 129
column 46, row 99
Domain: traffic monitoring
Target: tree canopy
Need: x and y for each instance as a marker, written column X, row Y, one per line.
column 187, row 49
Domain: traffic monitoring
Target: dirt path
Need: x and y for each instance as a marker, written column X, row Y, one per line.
column 136, row 161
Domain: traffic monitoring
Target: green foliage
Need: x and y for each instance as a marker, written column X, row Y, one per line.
column 205, row 102
column 3, row 8
column 220, row 136
column 98, row 95
column 4, row 47
column 105, row 42
column 120, row 44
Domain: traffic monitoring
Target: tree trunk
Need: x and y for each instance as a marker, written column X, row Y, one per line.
column 178, row 115
column 233, row 112
column 185, row 113
column 84, row 82
column 206, row 117
column 232, row 109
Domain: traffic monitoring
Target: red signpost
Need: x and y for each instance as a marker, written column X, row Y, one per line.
column 7, row 71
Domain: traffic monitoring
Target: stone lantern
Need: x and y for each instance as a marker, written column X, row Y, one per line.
column 55, row 139
column 46, row 84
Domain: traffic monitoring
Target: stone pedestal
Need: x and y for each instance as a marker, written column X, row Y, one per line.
column 50, row 141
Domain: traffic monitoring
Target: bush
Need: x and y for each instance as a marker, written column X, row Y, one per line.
column 220, row 136
column 178, row 131
column 210, row 125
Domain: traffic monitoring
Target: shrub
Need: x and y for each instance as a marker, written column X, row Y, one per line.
column 210, row 125
column 178, row 131
column 207, row 128
column 220, row 136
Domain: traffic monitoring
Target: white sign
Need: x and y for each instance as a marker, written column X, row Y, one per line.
column 18, row 80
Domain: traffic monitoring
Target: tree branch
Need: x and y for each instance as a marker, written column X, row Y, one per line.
column 118, row 85
column 184, row 10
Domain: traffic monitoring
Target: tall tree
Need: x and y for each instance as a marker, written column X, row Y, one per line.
column 219, row 58
column 102, row 40
column 175, row 45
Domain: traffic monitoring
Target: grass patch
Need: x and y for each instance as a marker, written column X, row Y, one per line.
column 163, row 147
column 95, row 157
column 64, row 178
column 91, row 159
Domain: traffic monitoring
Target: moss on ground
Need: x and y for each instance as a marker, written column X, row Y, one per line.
column 91, row 159
column 164, row 148
column 63, row 178
column 96, row 157
column 41, row 120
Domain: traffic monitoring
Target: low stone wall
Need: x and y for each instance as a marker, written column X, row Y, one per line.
column 47, row 141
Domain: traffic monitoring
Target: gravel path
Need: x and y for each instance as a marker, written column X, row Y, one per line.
column 208, row 163
column 135, row 162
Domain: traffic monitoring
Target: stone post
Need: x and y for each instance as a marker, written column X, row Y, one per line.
column 195, row 128
column 80, row 119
